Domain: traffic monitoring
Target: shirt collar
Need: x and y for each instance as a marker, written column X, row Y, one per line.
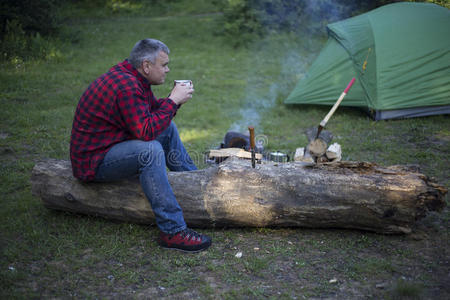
column 126, row 64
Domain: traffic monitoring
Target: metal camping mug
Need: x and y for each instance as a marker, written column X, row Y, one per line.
column 183, row 82
column 278, row 157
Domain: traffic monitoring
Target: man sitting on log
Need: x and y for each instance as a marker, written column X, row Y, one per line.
column 120, row 129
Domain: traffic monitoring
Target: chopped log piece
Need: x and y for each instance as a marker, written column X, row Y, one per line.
column 235, row 152
column 317, row 147
column 334, row 152
column 299, row 154
column 303, row 155
column 307, row 158
column 356, row 195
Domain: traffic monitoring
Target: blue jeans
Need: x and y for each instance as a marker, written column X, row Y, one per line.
column 149, row 160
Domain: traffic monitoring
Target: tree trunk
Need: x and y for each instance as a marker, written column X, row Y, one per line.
column 356, row 195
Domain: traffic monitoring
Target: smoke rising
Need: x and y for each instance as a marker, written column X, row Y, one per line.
column 279, row 60
column 273, row 74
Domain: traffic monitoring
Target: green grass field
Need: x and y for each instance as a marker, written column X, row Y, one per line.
column 49, row 254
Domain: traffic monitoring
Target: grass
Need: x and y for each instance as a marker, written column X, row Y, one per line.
column 54, row 254
column 406, row 290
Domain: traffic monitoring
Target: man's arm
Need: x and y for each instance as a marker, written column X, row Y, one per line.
column 144, row 122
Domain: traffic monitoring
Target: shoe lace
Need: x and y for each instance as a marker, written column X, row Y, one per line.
column 191, row 234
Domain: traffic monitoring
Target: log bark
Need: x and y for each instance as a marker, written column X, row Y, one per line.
column 355, row 195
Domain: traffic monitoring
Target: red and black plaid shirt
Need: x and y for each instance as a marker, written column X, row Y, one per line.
column 117, row 106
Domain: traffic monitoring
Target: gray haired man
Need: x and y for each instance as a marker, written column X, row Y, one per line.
column 121, row 129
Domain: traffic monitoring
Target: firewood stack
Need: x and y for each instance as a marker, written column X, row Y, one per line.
column 318, row 150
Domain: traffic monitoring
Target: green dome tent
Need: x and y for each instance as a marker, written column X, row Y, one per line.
column 399, row 54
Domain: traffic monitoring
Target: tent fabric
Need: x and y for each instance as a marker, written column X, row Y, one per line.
column 399, row 53
column 411, row 112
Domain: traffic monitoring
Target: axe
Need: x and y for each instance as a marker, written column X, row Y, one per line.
column 333, row 109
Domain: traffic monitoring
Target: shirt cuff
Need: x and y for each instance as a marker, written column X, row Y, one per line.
column 174, row 106
column 171, row 102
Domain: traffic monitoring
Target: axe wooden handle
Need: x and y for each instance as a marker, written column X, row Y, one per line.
column 335, row 106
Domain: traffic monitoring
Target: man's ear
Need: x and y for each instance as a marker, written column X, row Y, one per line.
column 147, row 67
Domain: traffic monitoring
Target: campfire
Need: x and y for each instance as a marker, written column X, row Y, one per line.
column 236, row 144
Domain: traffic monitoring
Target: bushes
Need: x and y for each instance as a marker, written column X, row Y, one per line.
column 244, row 20
column 34, row 16
column 444, row 3
column 31, row 29
column 26, row 28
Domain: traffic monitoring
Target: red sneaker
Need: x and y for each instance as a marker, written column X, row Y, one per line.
column 185, row 240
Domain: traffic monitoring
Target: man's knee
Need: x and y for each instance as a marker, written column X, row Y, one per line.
column 152, row 154
column 173, row 128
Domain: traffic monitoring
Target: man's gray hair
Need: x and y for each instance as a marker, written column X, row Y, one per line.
column 147, row 49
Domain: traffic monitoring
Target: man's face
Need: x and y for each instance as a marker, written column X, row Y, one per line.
column 156, row 73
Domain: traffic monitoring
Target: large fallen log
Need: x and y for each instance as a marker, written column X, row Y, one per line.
column 342, row 195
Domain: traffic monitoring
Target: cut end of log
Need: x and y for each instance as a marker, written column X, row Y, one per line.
column 334, row 152
column 317, row 147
